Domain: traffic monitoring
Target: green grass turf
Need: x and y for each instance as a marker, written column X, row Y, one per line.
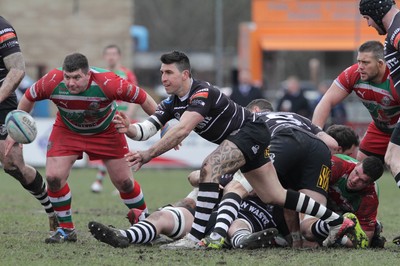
column 23, row 228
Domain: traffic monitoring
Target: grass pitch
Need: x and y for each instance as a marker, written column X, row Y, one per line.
column 23, row 228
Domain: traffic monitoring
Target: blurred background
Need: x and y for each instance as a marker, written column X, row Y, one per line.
column 259, row 43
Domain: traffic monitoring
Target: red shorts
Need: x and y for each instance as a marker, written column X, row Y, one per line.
column 374, row 141
column 105, row 145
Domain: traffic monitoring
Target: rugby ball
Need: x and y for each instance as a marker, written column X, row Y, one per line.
column 21, row 126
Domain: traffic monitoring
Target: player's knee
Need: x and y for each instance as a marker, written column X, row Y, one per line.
column 388, row 158
column 53, row 182
column 206, row 174
column 16, row 173
column 194, row 178
column 125, row 186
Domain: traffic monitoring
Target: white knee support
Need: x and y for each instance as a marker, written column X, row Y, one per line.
column 179, row 222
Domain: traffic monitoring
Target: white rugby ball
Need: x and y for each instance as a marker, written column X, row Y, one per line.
column 21, row 126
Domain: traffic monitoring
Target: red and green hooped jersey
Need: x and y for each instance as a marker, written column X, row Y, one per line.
column 381, row 99
column 92, row 110
column 128, row 75
column 364, row 204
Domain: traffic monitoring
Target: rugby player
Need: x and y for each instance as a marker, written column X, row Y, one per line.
column 202, row 108
column 370, row 80
column 85, row 97
column 12, row 71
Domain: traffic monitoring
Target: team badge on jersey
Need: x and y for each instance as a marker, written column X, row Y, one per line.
column 267, row 154
column 386, row 101
column 324, row 175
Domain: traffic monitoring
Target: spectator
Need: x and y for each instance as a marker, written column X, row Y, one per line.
column 294, row 100
column 244, row 92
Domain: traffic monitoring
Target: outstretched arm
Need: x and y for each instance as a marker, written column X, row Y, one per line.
column 171, row 139
column 149, row 105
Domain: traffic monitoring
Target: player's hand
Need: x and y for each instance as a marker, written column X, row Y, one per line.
column 8, row 144
column 121, row 122
column 137, row 158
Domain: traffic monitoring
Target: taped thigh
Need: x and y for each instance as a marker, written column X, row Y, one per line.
column 179, row 222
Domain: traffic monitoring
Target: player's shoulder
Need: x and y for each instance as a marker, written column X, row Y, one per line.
column 202, row 88
column 348, row 77
column 103, row 77
column 351, row 72
column 344, row 157
column 55, row 75
column 4, row 24
column 99, row 70
column 126, row 70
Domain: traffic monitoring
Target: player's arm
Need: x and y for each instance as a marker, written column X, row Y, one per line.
column 171, row 139
column 332, row 144
column 332, row 97
column 25, row 104
column 176, row 134
column 149, row 105
column 15, row 64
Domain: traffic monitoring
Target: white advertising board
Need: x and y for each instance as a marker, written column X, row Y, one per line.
column 190, row 155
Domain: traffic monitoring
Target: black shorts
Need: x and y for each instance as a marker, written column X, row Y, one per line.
column 302, row 161
column 252, row 139
column 3, row 114
column 262, row 216
column 395, row 138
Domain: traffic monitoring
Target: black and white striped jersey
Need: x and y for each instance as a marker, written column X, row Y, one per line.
column 221, row 115
column 277, row 121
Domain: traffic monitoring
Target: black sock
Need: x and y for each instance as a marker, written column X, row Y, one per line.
column 38, row 189
column 397, row 179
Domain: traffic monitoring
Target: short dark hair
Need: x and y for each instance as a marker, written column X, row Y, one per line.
column 263, row 104
column 373, row 167
column 74, row 62
column 375, row 47
column 180, row 59
column 345, row 136
column 112, row 46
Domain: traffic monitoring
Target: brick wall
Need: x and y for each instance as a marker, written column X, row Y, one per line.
column 50, row 29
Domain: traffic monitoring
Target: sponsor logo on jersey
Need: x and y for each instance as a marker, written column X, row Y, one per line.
column 198, row 102
column 94, row 106
column 267, row 154
column 107, row 80
column 201, row 94
column 255, row 149
column 386, row 100
column 7, row 36
column 361, row 93
column 323, row 179
column 204, row 123
column 168, row 100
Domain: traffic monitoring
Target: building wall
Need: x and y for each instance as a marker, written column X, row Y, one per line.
column 50, row 29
